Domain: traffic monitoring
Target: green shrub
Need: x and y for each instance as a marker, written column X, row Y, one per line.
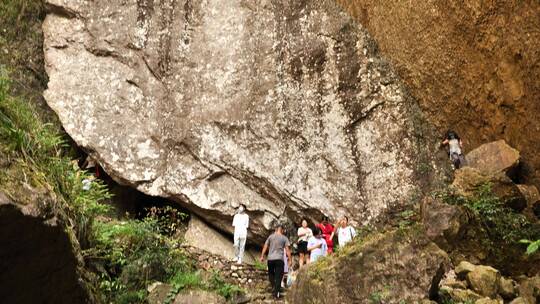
column 501, row 223
column 135, row 254
column 226, row 290
column 40, row 149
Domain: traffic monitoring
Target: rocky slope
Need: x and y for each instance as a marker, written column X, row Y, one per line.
column 285, row 107
column 473, row 65
column 392, row 267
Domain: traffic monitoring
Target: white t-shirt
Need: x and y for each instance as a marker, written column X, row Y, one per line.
column 345, row 235
column 316, row 253
column 240, row 223
column 454, row 146
column 307, row 234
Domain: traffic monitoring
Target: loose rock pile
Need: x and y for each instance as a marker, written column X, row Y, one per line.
column 469, row 283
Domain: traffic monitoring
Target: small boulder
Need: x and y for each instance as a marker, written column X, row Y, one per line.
column 157, row 293
column 442, row 222
column 464, row 268
column 453, row 283
column 488, row 301
column 493, row 158
column 507, row 288
column 468, row 180
column 532, row 196
column 519, row 300
column 459, row 295
column 198, row 297
column 484, row 280
column 529, row 289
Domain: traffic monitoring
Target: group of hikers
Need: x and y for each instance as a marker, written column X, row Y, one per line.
column 316, row 243
column 312, row 244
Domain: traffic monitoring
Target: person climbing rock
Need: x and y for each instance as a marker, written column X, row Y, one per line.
column 276, row 245
column 345, row 232
column 455, row 145
column 317, row 245
column 240, row 224
column 304, row 233
column 327, row 231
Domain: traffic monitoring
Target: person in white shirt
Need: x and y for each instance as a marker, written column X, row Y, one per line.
column 317, row 246
column 345, row 232
column 240, row 224
column 304, row 233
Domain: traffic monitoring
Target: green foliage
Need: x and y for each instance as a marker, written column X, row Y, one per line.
column 132, row 297
column 193, row 280
column 14, row 13
column 500, row 222
column 223, row 288
column 378, row 297
column 407, row 218
column 168, row 219
column 136, row 253
column 183, row 280
column 532, row 247
column 40, row 148
column 260, row 266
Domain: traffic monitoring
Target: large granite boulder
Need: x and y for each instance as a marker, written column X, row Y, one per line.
column 395, row 267
column 494, row 157
column 283, row 106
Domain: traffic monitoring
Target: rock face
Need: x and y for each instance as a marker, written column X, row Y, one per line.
column 394, row 267
column 472, row 65
column 284, row 106
column 39, row 262
column 201, row 236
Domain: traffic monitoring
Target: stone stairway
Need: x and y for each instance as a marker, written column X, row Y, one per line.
column 252, row 278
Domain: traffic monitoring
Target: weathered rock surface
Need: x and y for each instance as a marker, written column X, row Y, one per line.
column 529, row 289
column 532, row 196
column 284, row 106
column 158, row 292
column 39, row 261
column 202, row 236
column 443, row 223
column 463, row 268
column 507, row 288
column 398, row 266
column 198, row 297
column 473, row 65
column 519, row 300
column 484, row 280
column 468, row 180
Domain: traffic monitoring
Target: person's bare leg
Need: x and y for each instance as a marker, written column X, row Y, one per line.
column 301, row 259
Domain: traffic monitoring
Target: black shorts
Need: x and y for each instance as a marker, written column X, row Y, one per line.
column 302, row 247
